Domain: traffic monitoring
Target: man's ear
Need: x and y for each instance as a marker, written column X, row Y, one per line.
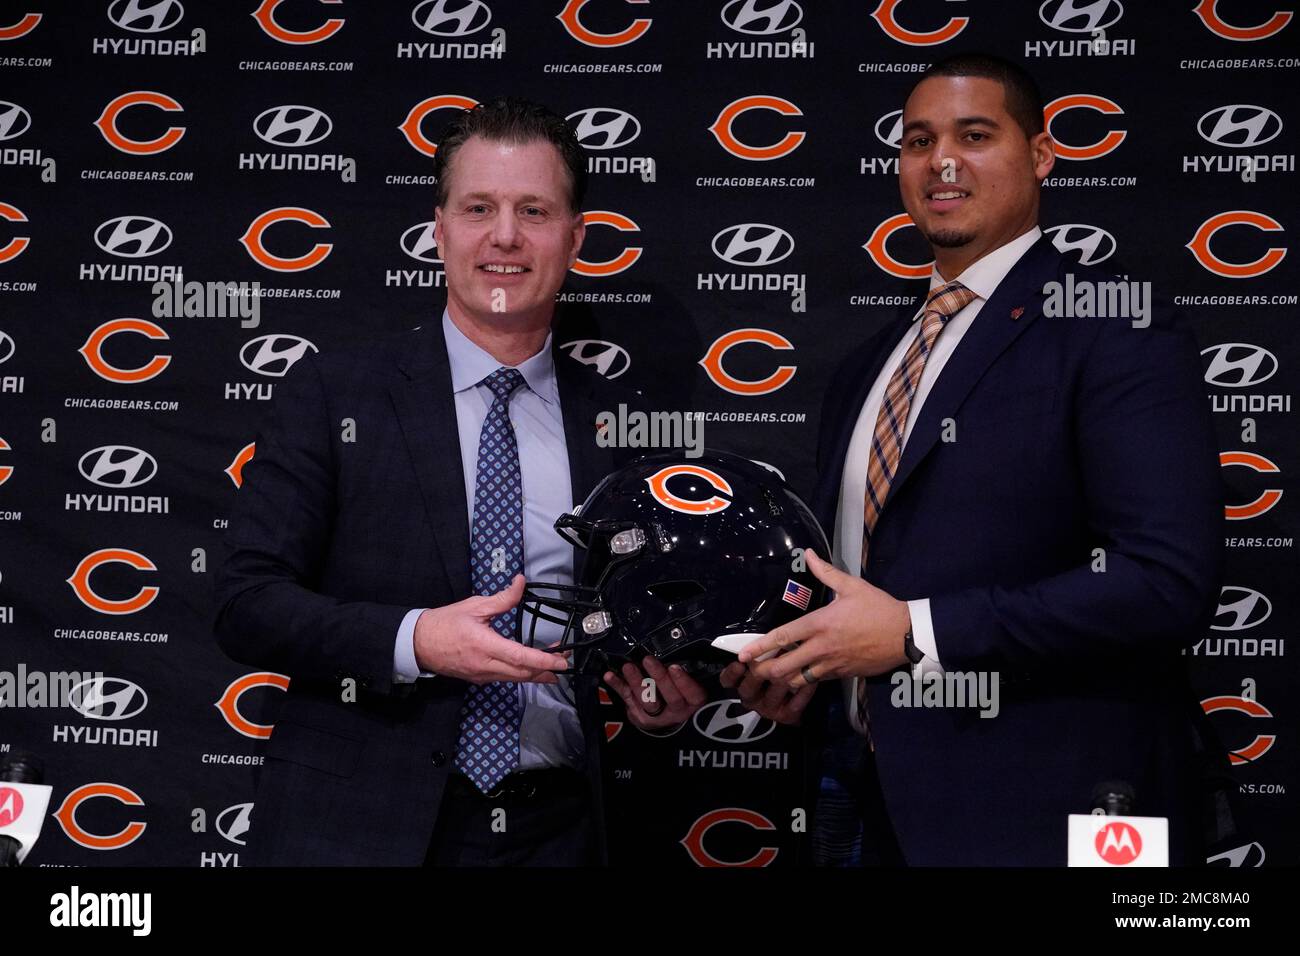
column 1042, row 150
column 579, row 234
column 437, row 228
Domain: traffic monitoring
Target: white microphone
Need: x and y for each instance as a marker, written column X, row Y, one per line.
column 23, row 802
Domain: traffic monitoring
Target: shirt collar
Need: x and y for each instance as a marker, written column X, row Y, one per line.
column 470, row 364
column 985, row 274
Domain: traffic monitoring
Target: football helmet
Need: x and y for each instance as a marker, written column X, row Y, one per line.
column 685, row 557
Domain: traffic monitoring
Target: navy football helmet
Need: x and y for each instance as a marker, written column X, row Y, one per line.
column 685, row 558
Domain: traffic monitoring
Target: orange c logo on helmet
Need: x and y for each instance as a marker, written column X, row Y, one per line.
column 91, row 351
column 569, row 17
column 229, row 702
column 694, row 839
column 1200, row 244
column 1252, row 708
column 107, row 123
column 80, row 581
column 15, row 246
column 877, row 247
column 251, row 240
column 712, row 362
column 623, row 260
column 265, row 17
column 1101, row 104
column 658, row 483
column 1264, row 502
column 23, row 27
column 67, row 817
column 410, row 126
column 235, row 470
column 884, row 15
column 5, row 470
column 1215, row 24
column 612, row 727
column 721, row 128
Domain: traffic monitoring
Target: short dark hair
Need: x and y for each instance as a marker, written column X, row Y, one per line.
column 1023, row 100
column 513, row 120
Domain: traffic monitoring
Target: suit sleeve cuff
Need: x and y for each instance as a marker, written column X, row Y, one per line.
column 924, row 639
column 405, row 668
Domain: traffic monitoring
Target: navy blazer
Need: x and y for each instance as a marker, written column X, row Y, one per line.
column 352, row 512
column 1071, row 434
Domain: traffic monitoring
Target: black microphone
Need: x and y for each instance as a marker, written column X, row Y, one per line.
column 18, row 767
column 1114, row 798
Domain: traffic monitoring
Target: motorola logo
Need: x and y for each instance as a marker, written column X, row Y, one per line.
column 889, row 129
column 608, row 359
column 729, row 722
column 133, row 237
column 292, row 125
column 14, row 120
column 418, row 243
column 141, row 16
column 1239, row 364
column 1239, row 126
column 1078, row 16
column 273, row 355
column 602, row 127
column 1240, row 608
column 753, row 244
column 762, row 17
column 451, row 19
column 1092, row 243
column 108, row 698
column 117, row 466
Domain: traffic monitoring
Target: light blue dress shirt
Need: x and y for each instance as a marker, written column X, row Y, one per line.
column 549, row 735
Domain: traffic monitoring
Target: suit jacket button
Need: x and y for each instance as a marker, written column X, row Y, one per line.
column 439, row 758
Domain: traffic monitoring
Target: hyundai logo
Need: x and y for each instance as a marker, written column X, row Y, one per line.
column 753, row 244
column 1238, row 364
column 233, row 822
column 7, row 347
column 602, row 127
column 1092, row 243
column 117, row 466
column 14, row 120
column 1239, row 126
column 292, row 125
column 608, row 359
column 142, row 16
column 133, row 237
column 451, row 19
column 418, row 243
column 730, row 722
column 1075, row 16
column 108, row 698
column 889, row 129
column 1240, row 608
column 760, row 18
column 273, row 355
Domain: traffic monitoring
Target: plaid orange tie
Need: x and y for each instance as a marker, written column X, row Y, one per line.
column 891, row 423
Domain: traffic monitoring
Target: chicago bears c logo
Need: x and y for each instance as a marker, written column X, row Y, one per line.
column 714, row 485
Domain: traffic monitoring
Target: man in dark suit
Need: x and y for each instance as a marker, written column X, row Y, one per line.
column 1018, row 497
column 380, row 541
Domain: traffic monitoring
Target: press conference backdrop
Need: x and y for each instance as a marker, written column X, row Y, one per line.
column 744, row 232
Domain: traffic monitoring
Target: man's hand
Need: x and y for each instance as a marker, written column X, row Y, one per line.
column 859, row 634
column 458, row 640
column 672, row 698
column 775, row 701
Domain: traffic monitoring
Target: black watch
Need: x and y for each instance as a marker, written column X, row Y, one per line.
column 914, row 653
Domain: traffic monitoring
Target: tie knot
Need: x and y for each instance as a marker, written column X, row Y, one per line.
column 948, row 300
column 503, row 382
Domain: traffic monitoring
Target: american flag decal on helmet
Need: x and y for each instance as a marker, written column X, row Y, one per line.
column 797, row 594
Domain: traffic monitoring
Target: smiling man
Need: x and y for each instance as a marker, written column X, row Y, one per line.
column 1017, row 498
column 380, row 541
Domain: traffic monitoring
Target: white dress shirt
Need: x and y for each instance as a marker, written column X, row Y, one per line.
column 982, row 277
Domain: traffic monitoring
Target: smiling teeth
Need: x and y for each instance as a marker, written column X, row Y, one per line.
column 948, row 195
column 509, row 270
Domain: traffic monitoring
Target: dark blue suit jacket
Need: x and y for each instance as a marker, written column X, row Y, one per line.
column 330, row 543
column 1071, row 434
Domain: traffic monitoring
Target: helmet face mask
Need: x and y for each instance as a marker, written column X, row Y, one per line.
column 677, row 553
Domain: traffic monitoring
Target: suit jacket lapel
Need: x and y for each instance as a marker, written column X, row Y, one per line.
column 998, row 324
column 426, row 412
